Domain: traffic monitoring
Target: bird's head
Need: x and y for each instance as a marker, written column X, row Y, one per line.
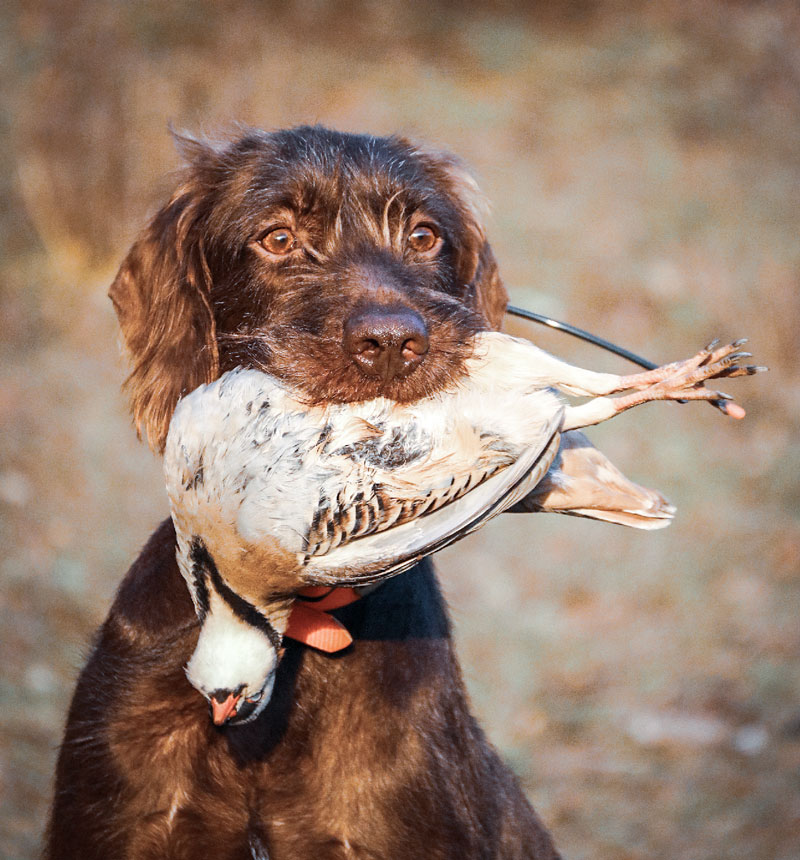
column 233, row 665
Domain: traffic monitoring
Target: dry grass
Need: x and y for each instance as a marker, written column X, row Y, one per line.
column 644, row 165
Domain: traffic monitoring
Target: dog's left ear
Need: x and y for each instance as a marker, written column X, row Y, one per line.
column 489, row 293
column 476, row 266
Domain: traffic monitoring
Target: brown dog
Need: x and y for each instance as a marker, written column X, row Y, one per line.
column 351, row 267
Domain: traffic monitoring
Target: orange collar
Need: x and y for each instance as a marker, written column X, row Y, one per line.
column 310, row 623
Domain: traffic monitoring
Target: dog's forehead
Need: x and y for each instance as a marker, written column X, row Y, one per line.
column 318, row 169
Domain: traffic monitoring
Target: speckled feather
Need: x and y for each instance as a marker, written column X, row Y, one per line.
column 270, row 494
column 246, row 458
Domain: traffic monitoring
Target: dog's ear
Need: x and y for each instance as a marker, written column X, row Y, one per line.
column 476, row 266
column 162, row 298
column 489, row 293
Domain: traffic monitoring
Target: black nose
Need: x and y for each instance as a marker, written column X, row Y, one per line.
column 387, row 343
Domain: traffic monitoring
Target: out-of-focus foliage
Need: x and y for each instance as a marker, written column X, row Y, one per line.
column 643, row 160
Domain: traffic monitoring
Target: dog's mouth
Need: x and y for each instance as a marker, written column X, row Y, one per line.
column 340, row 379
column 396, row 351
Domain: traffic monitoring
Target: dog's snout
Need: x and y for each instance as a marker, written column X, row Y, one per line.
column 387, row 343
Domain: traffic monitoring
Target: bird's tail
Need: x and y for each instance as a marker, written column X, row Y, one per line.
column 583, row 482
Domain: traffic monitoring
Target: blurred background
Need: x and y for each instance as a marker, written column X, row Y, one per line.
column 643, row 161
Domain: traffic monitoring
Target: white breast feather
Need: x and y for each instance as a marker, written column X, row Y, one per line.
column 244, row 455
column 229, row 652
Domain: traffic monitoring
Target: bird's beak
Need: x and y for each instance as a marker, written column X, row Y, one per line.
column 221, row 712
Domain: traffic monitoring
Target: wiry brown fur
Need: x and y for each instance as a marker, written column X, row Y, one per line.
column 195, row 296
column 371, row 753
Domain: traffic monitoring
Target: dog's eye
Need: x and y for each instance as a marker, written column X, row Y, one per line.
column 279, row 241
column 422, row 239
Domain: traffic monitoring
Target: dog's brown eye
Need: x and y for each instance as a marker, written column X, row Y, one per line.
column 279, row 241
column 422, row 239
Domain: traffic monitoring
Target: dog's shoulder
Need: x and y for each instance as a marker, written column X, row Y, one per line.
column 152, row 601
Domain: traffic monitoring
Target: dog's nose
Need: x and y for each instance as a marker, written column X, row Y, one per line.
column 387, row 343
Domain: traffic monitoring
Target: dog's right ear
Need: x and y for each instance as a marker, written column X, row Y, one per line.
column 162, row 298
column 489, row 292
column 475, row 263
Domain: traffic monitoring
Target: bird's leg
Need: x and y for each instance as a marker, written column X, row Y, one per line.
column 549, row 370
column 680, row 380
column 579, row 381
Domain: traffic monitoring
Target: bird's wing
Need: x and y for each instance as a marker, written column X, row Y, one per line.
column 424, row 462
column 386, row 553
column 585, row 483
column 372, row 502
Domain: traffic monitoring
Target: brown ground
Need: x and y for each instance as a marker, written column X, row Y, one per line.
column 643, row 160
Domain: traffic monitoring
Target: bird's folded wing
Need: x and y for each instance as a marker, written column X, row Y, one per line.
column 585, row 483
column 387, row 553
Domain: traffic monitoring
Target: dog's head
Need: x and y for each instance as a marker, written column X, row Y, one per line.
column 348, row 266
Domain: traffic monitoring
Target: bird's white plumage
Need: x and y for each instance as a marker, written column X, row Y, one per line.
column 230, row 653
column 282, row 494
column 340, row 493
column 345, row 489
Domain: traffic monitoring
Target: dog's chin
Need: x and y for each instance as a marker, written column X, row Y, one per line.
column 322, row 380
column 354, row 386
column 320, row 371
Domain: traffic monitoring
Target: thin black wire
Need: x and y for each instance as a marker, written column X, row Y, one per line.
column 582, row 334
column 597, row 341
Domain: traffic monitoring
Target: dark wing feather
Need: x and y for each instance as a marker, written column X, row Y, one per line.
column 390, row 552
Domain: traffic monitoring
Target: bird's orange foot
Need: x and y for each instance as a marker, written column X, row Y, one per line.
column 684, row 380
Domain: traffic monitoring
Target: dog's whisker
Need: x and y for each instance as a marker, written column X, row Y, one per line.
column 387, row 237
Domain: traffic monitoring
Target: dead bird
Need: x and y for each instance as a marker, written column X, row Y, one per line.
column 270, row 495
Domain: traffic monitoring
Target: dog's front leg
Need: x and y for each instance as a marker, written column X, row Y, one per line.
column 142, row 773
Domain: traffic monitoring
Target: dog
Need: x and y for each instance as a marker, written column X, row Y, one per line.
column 349, row 267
